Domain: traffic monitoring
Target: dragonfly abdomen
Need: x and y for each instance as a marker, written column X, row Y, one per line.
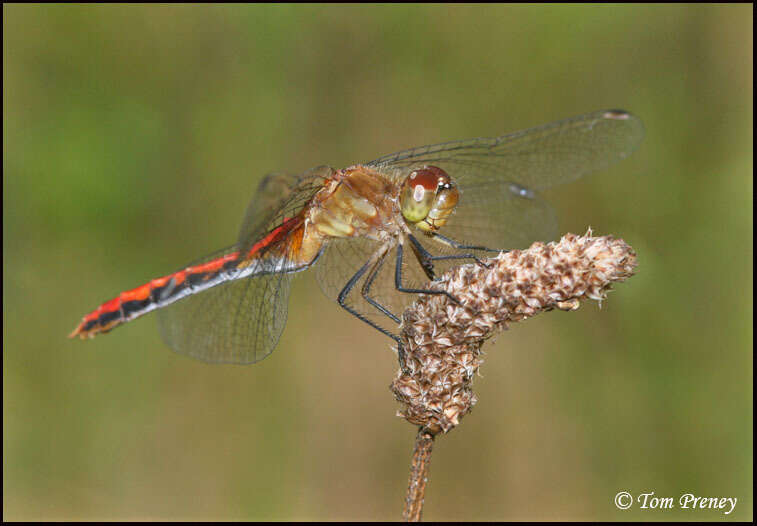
column 274, row 253
column 158, row 293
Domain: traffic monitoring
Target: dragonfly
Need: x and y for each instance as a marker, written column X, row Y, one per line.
column 375, row 234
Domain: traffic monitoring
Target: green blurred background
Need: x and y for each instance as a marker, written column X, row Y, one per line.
column 133, row 138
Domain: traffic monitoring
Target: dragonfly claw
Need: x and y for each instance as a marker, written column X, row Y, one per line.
column 482, row 263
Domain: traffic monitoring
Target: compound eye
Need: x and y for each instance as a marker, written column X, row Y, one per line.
column 419, row 190
column 416, row 201
column 427, row 178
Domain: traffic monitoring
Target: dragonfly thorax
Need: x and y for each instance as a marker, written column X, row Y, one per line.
column 428, row 197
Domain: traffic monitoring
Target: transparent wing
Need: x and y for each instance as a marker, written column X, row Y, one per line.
column 238, row 321
column 497, row 176
column 278, row 196
column 241, row 320
column 536, row 158
column 500, row 216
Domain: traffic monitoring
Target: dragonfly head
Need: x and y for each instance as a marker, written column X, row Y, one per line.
column 428, row 197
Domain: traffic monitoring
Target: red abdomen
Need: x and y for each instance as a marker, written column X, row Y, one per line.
column 278, row 251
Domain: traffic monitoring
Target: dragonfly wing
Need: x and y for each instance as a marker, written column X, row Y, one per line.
column 500, row 216
column 238, row 321
column 241, row 320
column 536, row 158
column 279, row 196
column 497, row 177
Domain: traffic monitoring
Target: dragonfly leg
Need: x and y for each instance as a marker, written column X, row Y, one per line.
column 398, row 279
column 455, row 244
column 425, row 257
column 369, row 283
column 343, row 296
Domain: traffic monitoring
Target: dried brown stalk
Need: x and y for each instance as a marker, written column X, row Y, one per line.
column 416, row 489
column 442, row 340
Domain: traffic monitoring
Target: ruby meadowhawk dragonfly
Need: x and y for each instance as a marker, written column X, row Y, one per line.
column 419, row 210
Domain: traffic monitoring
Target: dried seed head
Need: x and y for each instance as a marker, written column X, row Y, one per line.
column 442, row 341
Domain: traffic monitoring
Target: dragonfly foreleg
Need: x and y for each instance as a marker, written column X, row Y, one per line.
column 426, row 258
column 444, row 240
column 398, row 280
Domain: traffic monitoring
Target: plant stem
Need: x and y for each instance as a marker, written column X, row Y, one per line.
column 416, row 489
